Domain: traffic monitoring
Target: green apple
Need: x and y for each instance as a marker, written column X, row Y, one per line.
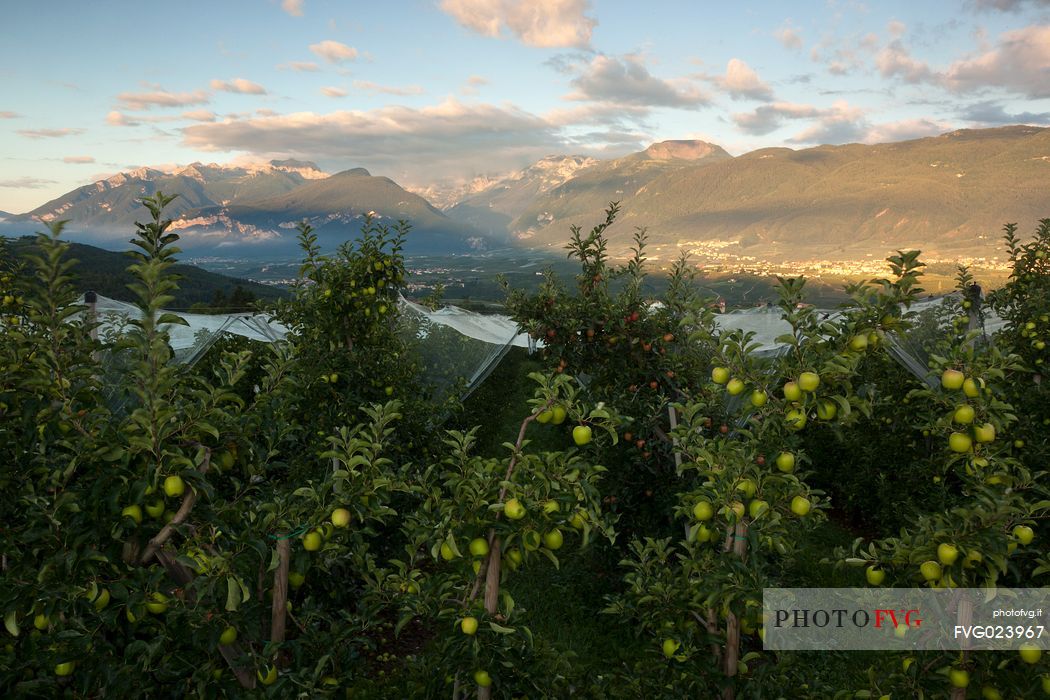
column 296, row 579
column 952, row 379
column 827, row 409
column 670, row 647
column 970, row 388
column 103, row 600
column 808, row 381
column 747, row 487
column 578, row 519
column 1030, row 653
column 41, row 622
column 792, row 392
column 155, row 509
column 553, row 539
column 514, row 555
column 757, row 507
column 758, row 398
column 228, row 636
column 959, row 442
column 514, row 510
column 340, row 517
column 858, row 342
column 469, row 625
column 482, row 678
column 786, row 462
column 545, row 416
column 174, row 486
column 703, row 510
column 930, row 570
column 875, row 576
column 800, row 506
column 581, row 435
column 947, row 554
column 1046, row 684
column 388, row 390
column 558, row 414
column 984, row 433
column 157, row 603
column 65, row 668
column 702, row 534
column 1024, row 534
column 479, row 547
column 990, row 693
column 312, row 541
column 735, row 387
column 737, row 508
column 795, row 419
column 134, row 512
column 447, row 553
column 720, row 375
column 964, row 414
column 959, row 678
column 268, row 678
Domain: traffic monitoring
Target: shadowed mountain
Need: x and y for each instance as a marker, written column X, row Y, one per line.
column 105, row 272
column 336, row 207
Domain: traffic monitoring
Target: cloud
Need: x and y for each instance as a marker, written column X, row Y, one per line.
column 387, row 89
column 116, row 118
column 627, row 81
column 48, row 133
column 200, row 115
column 239, row 85
column 472, row 84
column 334, row 51
column 26, row 183
column 769, row 118
column 895, row 61
column 448, row 138
column 540, row 23
column 789, row 37
column 741, row 81
column 906, row 129
column 896, row 28
column 293, row 7
column 137, row 101
column 992, row 114
column 1004, row 5
column 330, row 91
column 1020, row 61
column 9, row 115
column 300, row 66
column 78, row 159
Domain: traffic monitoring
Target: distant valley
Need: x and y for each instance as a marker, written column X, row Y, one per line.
column 834, row 211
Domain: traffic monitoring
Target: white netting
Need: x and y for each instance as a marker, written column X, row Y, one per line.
column 462, row 347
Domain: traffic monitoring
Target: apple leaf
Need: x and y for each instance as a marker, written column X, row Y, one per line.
column 304, row 491
column 11, row 623
column 501, row 629
column 233, row 594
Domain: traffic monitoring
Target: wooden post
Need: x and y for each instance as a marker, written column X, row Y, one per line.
column 736, row 542
column 964, row 616
column 279, row 609
column 491, row 597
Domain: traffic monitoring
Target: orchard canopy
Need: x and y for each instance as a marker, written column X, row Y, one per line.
column 481, row 340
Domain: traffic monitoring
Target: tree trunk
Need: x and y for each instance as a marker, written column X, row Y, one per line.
column 736, row 542
column 279, row 610
column 491, row 597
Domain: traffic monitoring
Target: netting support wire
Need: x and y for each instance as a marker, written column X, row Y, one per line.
column 909, row 362
column 212, row 338
column 483, row 373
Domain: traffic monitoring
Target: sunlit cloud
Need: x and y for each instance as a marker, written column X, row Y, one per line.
column 540, row 23
column 334, row 51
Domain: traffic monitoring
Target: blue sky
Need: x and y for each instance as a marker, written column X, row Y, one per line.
column 428, row 91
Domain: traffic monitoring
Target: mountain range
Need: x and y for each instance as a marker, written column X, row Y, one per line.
column 252, row 209
column 948, row 195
